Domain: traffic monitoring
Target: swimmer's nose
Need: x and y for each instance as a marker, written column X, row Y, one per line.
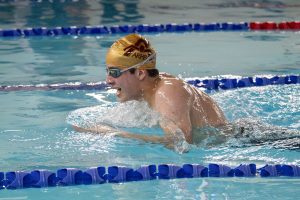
column 109, row 80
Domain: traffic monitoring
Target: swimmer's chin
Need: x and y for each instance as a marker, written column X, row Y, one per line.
column 121, row 99
column 125, row 99
column 118, row 94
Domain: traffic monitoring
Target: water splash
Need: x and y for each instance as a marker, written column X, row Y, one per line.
column 131, row 114
column 278, row 104
column 128, row 114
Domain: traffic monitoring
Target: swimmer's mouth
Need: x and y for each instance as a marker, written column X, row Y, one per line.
column 115, row 90
column 118, row 91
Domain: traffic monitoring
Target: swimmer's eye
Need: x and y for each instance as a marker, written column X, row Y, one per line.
column 113, row 72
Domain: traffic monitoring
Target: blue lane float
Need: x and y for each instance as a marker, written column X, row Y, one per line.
column 42, row 178
column 69, row 176
column 117, row 174
column 207, row 84
column 58, row 86
column 232, row 83
column 124, row 29
column 121, row 174
column 280, row 170
column 94, row 175
column 152, row 28
column 245, row 170
column 2, row 183
column 215, row 170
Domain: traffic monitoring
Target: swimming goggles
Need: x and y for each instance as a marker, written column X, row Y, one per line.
column 115, row 72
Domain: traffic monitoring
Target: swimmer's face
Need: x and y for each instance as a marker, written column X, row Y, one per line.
column 126, row 85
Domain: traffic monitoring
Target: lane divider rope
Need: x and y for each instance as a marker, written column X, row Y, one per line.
column 58, row 86
column 207, row 84
column 151, row 28
column 120, row 174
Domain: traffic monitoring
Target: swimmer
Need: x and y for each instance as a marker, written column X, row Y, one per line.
column 131, row 71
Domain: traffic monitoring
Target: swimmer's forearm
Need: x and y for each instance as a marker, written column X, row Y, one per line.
column 145, row 138
column 152, row 139
column 79, row 129
column 96, row 129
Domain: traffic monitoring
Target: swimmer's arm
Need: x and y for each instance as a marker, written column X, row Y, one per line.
column 104, row 129
column 95, row 129
column 145, row 138
column 175, row 114
column 164, row 140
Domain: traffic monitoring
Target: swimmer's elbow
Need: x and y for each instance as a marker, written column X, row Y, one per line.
column 188, row 135
column 189, row 139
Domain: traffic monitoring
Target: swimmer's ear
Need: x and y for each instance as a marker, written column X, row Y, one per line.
column 141, row 74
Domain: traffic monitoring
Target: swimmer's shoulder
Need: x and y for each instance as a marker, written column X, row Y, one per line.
column 168, row 80
column 178, row 84
column 173, row 85
column 165, row 75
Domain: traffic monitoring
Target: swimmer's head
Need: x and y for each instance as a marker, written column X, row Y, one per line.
column 131, row 50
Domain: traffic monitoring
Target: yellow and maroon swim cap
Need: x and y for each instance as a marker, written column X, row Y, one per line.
column 130, row 50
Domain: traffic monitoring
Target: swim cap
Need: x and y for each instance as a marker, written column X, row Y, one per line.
column 130, row 50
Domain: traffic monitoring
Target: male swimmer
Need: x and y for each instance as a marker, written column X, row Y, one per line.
column 131, row 70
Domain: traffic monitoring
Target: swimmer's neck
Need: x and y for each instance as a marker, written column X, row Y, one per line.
column 148, row 89
column 150, row 85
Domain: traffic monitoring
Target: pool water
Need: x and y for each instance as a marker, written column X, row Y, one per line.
column 35, row 130
column 190, row 54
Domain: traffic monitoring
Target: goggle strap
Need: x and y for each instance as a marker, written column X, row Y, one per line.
column 141, row 63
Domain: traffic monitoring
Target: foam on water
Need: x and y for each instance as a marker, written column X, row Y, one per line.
column 257, row 109
column 132, row 115
column 277, row 104
column 129, row 114
column 245, row 131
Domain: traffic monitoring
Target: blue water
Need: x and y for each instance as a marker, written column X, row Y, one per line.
column 34, row 125
column 191, row 54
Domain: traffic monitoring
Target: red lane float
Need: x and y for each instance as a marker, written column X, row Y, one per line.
column 294, row 25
